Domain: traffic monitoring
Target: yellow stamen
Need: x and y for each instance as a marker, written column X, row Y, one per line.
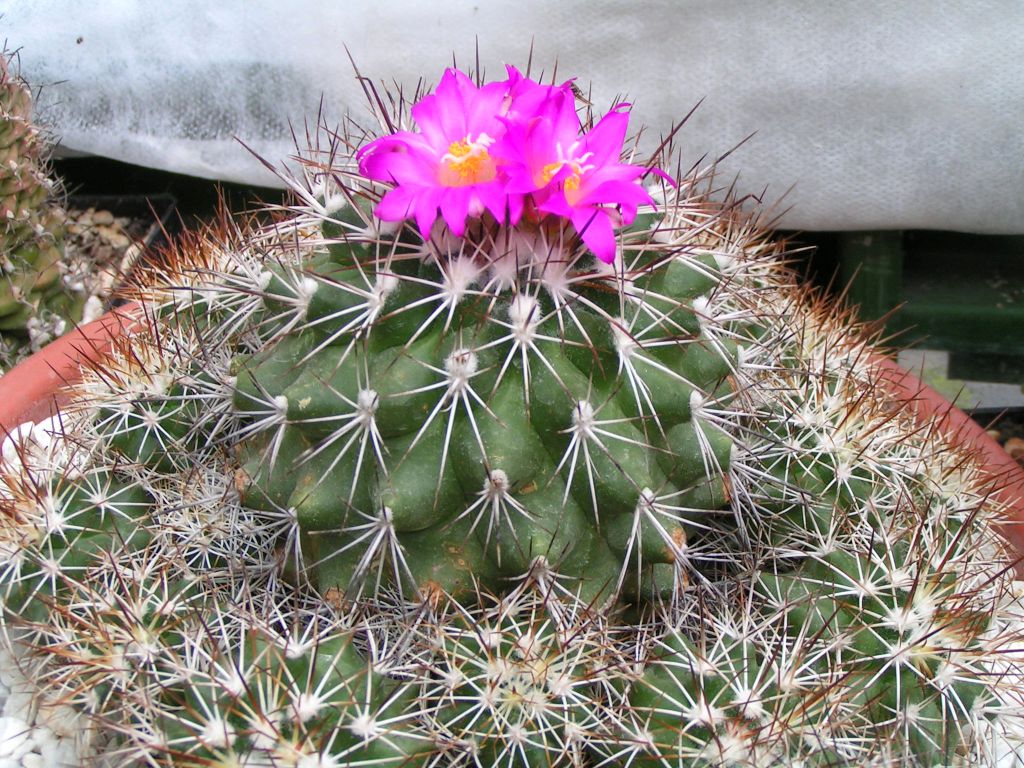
column 569, row 182
column 468, row 162
column 550, row 170
column 576, row 165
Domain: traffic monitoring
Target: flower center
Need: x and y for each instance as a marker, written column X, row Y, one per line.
column 468, row 162
column 576, row 165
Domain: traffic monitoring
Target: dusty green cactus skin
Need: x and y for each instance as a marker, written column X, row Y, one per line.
column 323, row 699
column 836, row 653
column 31, row 224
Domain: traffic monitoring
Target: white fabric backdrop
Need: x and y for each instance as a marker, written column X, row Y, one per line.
column 878, row 113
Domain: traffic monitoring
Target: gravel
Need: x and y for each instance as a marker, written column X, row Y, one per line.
column 31, row 735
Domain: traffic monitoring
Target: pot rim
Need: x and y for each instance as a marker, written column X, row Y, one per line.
column 33, row 389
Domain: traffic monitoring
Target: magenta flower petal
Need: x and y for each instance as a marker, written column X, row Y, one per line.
column 596, row 230
column 501, row 203
column 515, row 205
column 579, row 178
column 614, row 185
column 447, row 166
column 526, row 149
column 557, row 205
column 529, row 99
column 406, row 202
column 606, row 138
column 455, row 203
column 452, row 111
column 459, row 111
column 425, row 209
column 499, row 146
column 397, row 161
column 397, row 205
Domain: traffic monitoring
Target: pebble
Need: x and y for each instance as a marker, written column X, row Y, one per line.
column 103, row 252
column 92, row 310
column 119, row 240
column 113, row 237
column 100, row 250
column 1015, row 447
column 29, row 738
column 103, row 218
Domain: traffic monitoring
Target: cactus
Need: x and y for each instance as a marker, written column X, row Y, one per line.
column 528, row 679
column 475, row 432
column 35, row 304
column 573, row 476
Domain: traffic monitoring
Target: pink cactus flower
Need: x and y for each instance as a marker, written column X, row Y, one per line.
column 447, row 165
column 494, row 147
column 580, row 178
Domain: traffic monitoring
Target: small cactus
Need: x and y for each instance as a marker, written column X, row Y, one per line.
column 574, row 476
column 35, row 305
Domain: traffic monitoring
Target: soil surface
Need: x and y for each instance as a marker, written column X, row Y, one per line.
column 101, row 249
column 1008, row 429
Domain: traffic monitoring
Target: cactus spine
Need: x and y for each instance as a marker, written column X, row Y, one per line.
column 361, row 496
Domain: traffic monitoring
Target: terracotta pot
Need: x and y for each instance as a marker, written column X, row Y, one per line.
column 31, row 391
column 1007, row 476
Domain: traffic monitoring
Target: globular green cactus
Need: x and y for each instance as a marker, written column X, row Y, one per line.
column 32, row 290
column 365, row 492
column 471, row 427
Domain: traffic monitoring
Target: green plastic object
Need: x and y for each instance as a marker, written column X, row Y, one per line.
column 951, row 291
column 872, row 269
